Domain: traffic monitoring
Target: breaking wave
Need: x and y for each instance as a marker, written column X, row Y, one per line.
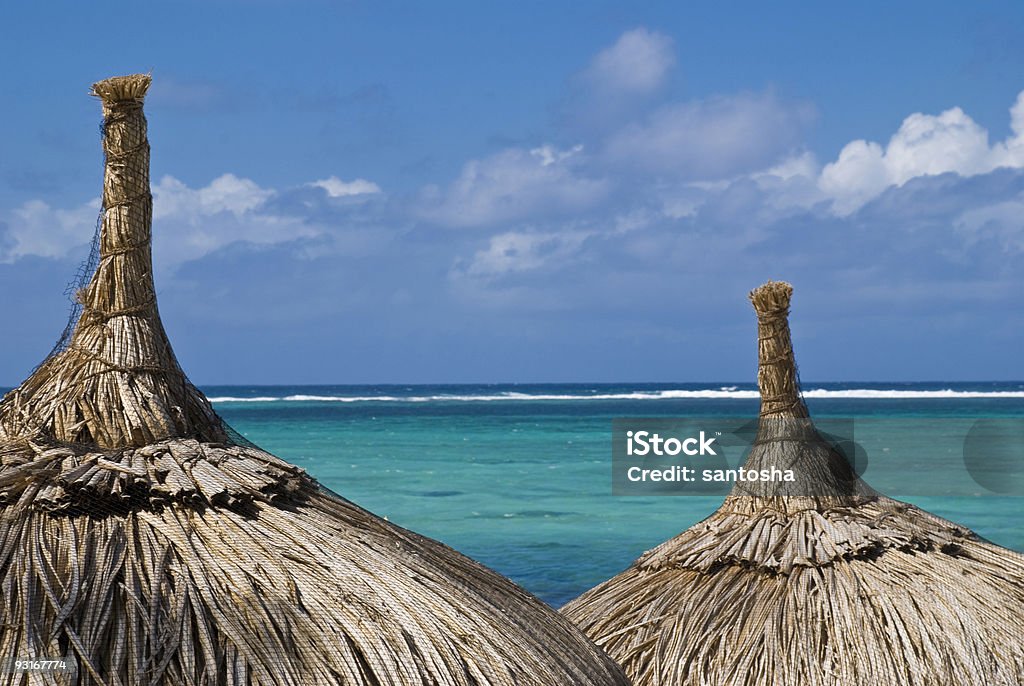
column 723, row 393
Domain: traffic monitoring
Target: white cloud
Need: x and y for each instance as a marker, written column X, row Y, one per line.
column 520, row 251
column 548, row 154
column 512, row 185
column 792, row 184
column 336, row 188
column 709, row 139
column 1010, row 153
column 930, row 145
column 37, row 229
column 801, row 164
column 924, row 145
column 637, row 64
column 226, row 193
column 856, row 177
column 1002, row 222
column 192, row 222
column 188, row 223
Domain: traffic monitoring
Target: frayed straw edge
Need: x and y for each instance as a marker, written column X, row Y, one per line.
column 772, row 297
column 122, row 88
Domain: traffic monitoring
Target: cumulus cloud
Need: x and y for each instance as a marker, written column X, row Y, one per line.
column 618, row 83
column 513, row 251
column 1010, row 153
column 189, row 223
column 856, row 177
column 227, row 193
column 802, row 164
column 636, row 64
column 710, row 139
column 38, row 229
column 192, row 222
column 924, row 145
column 336, row 188
column 1001, row 222
column 515, row 184
column 548, row 154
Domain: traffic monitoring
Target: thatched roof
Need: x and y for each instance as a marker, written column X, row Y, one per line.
column 818, row 581
column 139, row 536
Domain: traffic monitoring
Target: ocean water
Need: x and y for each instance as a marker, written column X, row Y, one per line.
column 519, row 476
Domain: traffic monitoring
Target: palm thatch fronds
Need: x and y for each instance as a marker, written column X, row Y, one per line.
column 142, row 541
column 820, row 581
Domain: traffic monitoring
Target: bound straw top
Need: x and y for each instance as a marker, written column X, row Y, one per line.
column 114, row 382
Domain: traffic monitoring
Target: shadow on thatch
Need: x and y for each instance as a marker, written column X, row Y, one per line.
column 822, row 581
column 142, row 539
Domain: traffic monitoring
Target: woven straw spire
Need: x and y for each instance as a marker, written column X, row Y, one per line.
column 819, row 582
column 145, row 545
column 116, row 383
column 776, row 364
column 786, row 436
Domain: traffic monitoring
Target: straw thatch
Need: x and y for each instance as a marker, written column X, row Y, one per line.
column 140, row 538
column 818, row 581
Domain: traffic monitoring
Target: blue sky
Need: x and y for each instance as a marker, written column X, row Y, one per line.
column 377, row 192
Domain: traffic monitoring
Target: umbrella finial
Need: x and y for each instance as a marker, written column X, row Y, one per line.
column 787, row 439
column 114, row 382
column 776, row 374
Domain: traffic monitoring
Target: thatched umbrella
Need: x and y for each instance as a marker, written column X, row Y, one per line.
column 141, row 537
column 817, row 581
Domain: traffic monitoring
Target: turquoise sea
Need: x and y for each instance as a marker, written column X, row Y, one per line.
column 519, row 476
